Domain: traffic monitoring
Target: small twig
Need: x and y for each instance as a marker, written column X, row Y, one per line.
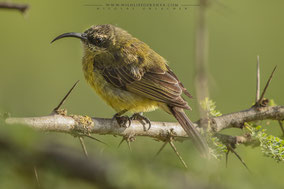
column 257, row 80
column 65, row 97
column 36, row 176
column 234, row 140
column 177, row 153
column 265, row 88
column 239, row 157
column 83, row 146
column 163, row 146
column 12, row 6
column 281, row 126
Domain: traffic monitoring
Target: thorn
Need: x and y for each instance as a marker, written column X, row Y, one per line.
column 281, row 126
column 163, row 146
column 129, row 146
column 257, row 80
column 239, row 157
column 36, row 176
column 227, row 158
column 266, row 86
column 83, row 146
column 65, row 97
column 177, row 153
column 123, row 139
column 128, row 140
column 91, row 137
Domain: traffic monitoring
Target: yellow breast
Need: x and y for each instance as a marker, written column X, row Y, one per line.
column 117, row 98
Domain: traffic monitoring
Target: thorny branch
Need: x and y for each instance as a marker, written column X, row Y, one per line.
column 78, row 125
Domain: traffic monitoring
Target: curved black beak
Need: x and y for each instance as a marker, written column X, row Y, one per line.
column 70, row 34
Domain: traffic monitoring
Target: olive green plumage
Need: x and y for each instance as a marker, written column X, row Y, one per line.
column 130, row 76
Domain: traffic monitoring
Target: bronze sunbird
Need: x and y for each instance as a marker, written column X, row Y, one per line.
column 131, row 77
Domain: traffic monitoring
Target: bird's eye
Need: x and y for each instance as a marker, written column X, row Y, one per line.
column 96, row 41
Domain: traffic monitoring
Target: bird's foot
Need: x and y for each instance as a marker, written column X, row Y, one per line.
column 122, row 120
column 142, row 119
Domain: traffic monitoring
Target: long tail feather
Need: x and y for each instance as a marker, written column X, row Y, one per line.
column 189, row 128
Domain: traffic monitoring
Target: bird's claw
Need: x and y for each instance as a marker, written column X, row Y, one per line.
column 142, row 119
column 122, row 121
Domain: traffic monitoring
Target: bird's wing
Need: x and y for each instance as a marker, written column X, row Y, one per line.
column 154, row 83
column 184, row 90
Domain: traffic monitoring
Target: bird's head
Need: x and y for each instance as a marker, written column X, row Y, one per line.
column 100, row 38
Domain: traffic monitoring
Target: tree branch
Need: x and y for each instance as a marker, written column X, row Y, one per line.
column 237, row 119
column 12, row 6
column 77, row 125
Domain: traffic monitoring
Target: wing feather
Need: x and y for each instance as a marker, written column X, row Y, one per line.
column 155, row 84
column 184, row 90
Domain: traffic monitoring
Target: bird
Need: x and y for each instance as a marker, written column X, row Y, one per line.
column 131, row 77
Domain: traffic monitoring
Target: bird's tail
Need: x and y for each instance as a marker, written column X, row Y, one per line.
column 189, row 128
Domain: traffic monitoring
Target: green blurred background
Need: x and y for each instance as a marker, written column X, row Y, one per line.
column 35, row 75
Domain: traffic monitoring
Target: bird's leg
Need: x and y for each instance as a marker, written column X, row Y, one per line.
column 142, row 119
column 122, row 120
